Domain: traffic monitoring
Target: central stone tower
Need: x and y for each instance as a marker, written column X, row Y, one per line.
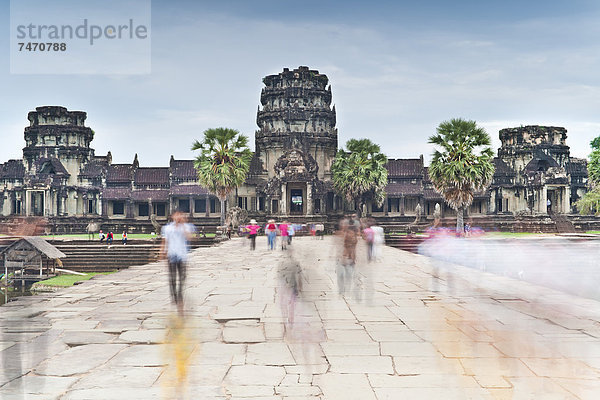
column 296, row 141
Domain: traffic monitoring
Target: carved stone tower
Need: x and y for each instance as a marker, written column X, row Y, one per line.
column 296, row 141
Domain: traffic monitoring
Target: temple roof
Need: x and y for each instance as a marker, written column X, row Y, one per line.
column 404, row 188
column 501, row 168
column 154, row 195
column 51, row 166
column 183, row 169
column 94, row 169
column 116, row 193
column 412, row 167
column 12, row 169
column 577, row 166
column 152, row 176
column 119, row 173
column 187, row 190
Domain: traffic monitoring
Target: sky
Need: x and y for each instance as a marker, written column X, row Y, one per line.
column 397, row 69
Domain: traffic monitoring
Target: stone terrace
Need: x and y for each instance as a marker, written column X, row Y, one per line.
column 411, row 335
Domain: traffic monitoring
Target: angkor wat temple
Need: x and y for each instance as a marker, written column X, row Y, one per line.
column 61, row 177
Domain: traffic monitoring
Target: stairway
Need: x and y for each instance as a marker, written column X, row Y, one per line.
column 563, row 225
column 93, row 256
column 405, row 242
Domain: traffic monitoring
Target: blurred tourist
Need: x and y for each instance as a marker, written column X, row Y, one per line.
column 176, row 236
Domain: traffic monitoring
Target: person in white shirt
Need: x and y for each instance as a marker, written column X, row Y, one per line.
column 176, row 235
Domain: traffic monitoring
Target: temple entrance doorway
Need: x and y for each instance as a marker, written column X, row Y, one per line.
column 296, row 201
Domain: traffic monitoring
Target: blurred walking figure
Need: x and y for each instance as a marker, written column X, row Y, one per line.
column 253, row 229
column 176, row 236
column 271, row 231
column 348, row 234
column 378, row 241
column 291, row 232
column 320, row 228
column 283, row 231
column 369, row 237
column 290, row 279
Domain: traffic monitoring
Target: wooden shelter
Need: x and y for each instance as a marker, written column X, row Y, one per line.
column 30, row 259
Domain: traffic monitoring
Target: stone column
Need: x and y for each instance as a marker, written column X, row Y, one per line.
column 192, row 206
column 386, row 205
column 63, row 204
column 149, row 208
column 282, row 203
column 171, row 199
column 206, row 206
column 129, row 208
column 566, row 200
column 544, row 200
column 309, row 199
column 402, row 205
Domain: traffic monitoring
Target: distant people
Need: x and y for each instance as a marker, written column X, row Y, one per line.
column 549, row 206
column 348, row 234
column 313, row 230
column 176, row 235
column 101, row 236
column 369, row 237
column 253, row 229
column 291, row 232
column 320, row 230
column 271, row 231
column 124, row 238
column 468, row 229
column 378, row 241
column 109, row 238
column 283, row 231
column 229, row 229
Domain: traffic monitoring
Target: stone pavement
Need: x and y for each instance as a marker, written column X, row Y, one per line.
column 415, row 329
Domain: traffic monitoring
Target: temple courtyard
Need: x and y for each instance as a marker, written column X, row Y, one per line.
column 408, row 327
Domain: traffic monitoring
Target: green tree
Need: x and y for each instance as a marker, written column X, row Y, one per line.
column 590, row 202
column 462, row 165
column 223, row 162
column 359, row 174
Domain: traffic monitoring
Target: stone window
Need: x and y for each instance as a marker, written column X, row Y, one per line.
column 200, row 205
column 143, row 210
column 183, row 205
column 118, row 207
column 160, row 209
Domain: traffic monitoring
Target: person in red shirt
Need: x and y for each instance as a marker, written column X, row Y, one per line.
column 253, row 229
column 271, row 231
column 283, row 231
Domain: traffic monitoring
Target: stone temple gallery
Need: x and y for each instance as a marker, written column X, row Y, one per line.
column 61, row 177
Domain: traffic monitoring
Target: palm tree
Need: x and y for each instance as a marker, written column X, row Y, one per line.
column 457, row 171
column 359, row 174
column 223, row 162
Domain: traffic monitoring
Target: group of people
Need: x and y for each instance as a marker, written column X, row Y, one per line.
column 284, row 229
column 109, row 237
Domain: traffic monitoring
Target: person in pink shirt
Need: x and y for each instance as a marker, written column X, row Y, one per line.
column 253, row 229
column 283, row 231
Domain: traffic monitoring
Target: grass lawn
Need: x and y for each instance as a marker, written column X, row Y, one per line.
column 593, row 232
column 68, row 280
column 517, row 234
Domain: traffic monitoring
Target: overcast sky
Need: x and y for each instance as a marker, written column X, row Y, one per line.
column 397, row 69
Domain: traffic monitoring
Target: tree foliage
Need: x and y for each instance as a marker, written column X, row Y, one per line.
column 359, row 173
column 590, row 202
column 223, row 162
column 462, row 164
